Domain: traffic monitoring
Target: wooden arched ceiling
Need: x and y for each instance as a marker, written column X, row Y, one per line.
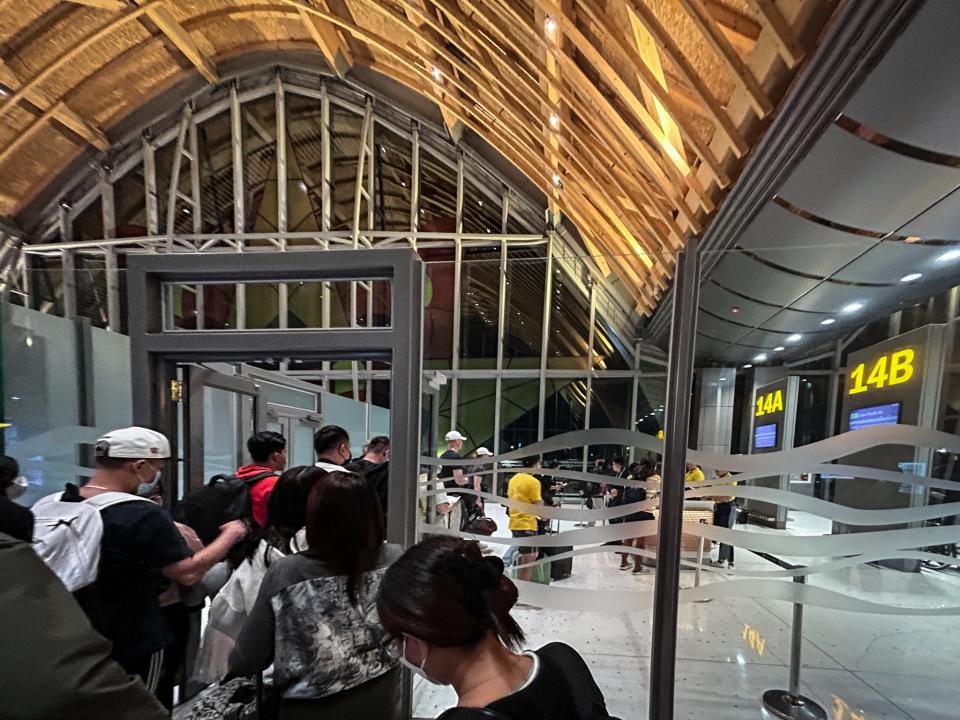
column 631, row 115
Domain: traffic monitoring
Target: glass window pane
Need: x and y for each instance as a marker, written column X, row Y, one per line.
column 518, row 413
column 526, row 268
column 349, row 414
column 304, row 164
column 569, row 326
column 260, row 164
column 220, row 450
column 216, row 174
column 479, row 307
column 438, row 308
column 392, row 179
column 475, row 412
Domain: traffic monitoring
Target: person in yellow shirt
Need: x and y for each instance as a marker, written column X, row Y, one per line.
column 694, row 474
column 524, row 487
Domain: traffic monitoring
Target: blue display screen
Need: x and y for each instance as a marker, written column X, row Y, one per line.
column 875, row 415
column 765, row 436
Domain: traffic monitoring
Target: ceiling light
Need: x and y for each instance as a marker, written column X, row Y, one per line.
column 437, row 75
column 851, row 307
column 779, row 348
column 554, row 121
column 3, row 91
column 480, row 203
column 828, row 321
column 949, row 255
column 911, row 277
column 734, row 309
column 747, row 366
column 402, row 184
column 557, row 180
column 796, row 337
column 550, row 25
column 303, row 185
column 762, row 357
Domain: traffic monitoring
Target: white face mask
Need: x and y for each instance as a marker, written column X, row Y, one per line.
column 18, row 488
column 417, row 670
column 145, row 489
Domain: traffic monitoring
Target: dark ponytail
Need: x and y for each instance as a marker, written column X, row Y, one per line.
column 444, row 591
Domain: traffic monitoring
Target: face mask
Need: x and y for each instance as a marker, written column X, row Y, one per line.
column 417, row 670
column 18, row 488
column 145, row 489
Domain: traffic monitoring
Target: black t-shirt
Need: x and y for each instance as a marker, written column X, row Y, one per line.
column 562, row 688
column 15, row 520
column 445, row 472
column 139, row 538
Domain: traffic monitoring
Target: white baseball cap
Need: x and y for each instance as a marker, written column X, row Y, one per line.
column 484, row 452
column 453, row 435
column 134, row 443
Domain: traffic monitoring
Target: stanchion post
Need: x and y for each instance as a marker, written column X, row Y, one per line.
column 696, row 582
column 790, row 704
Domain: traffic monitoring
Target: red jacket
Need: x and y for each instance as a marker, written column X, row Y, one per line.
column 260, row 492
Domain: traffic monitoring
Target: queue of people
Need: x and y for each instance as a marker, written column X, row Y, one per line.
column 315, row 606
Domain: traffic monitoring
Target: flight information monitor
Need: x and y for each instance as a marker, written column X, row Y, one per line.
column 888, row 414
column 765, row 436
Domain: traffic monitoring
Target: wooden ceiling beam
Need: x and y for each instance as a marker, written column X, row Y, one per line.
column 181, row 39
column 773, row 20
column 596, row 58
column 711, row 105
column 56, row 110
column 73, row 52
column 737, row 23
column 102, row 4
column 625, row 135
column 335, row 52
column 742, row 74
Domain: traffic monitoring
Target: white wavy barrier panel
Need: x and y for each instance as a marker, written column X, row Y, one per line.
column 885, row 541
column 776, row 463
column 580, row 600
column 794, row 501
column 842, row 564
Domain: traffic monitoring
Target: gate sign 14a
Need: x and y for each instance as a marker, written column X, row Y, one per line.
column 770, row 403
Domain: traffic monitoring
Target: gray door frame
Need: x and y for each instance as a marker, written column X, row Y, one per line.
column 155, row 351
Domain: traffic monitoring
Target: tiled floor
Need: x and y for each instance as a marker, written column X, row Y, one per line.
column 858, row 666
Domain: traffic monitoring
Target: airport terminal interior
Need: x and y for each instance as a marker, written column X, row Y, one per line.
column 693, row 265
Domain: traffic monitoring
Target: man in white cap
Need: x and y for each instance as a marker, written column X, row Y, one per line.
column 480, row 483
column 455, row 476
column 140, row 550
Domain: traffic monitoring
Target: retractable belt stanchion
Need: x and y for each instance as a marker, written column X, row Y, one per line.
column 790, row 704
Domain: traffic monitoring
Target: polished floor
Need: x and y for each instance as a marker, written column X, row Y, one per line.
column 859, row 667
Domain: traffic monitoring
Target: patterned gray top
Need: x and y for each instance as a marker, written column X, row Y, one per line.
column 304, row 623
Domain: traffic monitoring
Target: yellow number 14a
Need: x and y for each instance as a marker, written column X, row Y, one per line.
column 893, row 369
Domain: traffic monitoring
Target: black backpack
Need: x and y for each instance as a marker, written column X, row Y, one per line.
column 377, row 477
column 222, row 499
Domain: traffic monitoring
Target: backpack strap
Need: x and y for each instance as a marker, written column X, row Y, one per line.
column 475, row 714
column 251, row 481
column 108, row 499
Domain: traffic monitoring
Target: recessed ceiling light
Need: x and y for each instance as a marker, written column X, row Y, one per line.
column 911, row 277
column 734, row 309
column 554, row 121
column 949, row 255
column 852, row 307
column 796, row 337
column 747, row 366
column 828, row 321
column 779, row 348
column 550, row 25
column 557, row 179
column 437, row 74
column 760, row 358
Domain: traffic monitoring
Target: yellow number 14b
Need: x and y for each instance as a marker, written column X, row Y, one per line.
column 893, row 369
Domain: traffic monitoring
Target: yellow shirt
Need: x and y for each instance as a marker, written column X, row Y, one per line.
column 523, row 487
column 695, row 475
column 725, row 498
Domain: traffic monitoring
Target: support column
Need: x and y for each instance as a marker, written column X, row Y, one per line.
column 239, row 198
column 283, row 289
column 715, row 426
column 109, row 214
column 326, row 208
column 501, row 335
column 68, row 273
column 150, row 187
column 457, row 287
column 590, row 336
column 414, row 182
column 683, row 333
column 545, row 336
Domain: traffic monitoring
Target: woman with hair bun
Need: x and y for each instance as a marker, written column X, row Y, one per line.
column 446, row 610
